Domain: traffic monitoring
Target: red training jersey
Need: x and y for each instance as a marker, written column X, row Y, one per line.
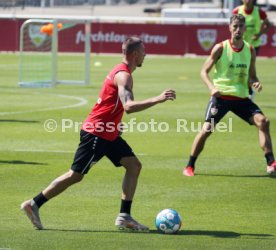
column 105, row 117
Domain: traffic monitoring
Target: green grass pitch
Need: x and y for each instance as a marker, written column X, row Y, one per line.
column 229, row 204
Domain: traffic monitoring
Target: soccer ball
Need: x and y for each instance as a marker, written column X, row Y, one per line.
column 168, row 221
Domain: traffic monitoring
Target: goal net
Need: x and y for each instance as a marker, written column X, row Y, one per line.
column 46, row 53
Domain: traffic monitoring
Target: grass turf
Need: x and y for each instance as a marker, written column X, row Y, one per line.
column 230, row 204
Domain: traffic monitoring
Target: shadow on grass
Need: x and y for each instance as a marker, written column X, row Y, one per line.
column 92, row 231
column 18, row 162
column 22, row 121
column 218, row 234
column 242, row 176
column 222, row 234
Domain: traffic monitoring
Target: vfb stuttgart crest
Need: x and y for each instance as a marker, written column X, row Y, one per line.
column 36, row 36
column 206, row 38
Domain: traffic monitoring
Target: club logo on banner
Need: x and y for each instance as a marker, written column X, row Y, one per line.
column 36, row 36
column 206, row 38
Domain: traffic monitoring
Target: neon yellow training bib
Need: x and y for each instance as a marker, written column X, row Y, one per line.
column 253, row 25
column 232, row 71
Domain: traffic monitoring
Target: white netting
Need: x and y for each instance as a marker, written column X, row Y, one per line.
column 46, row 56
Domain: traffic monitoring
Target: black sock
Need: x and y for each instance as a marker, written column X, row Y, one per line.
column 269, row 158
column 125, row 206
column 40, row 199
column 192, row 161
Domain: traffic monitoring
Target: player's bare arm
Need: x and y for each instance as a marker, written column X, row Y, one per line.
column 264, row 29
column 208, row 65
column 124, row 82
column 253, row 79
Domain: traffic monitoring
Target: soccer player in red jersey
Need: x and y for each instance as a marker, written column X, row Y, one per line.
column 100, row 136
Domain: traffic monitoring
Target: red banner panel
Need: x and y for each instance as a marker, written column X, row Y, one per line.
column 159, row 39
column 9, row 30
column 108, row 37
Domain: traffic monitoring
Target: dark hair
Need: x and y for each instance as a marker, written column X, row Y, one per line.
column 238, row 17
column 131, row 44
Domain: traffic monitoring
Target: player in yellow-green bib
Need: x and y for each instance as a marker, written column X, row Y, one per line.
column 256, row 22
column 234, row 63
column 233, row 67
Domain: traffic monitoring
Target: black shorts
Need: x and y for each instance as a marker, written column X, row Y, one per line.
column 92, row 148
column 217, row 108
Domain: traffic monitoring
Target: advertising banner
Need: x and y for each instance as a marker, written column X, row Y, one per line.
column 159, row 39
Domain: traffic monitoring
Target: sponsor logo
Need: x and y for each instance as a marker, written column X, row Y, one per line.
column 99, row 100
column 231, row 66
column 206, row 38
column 214, row 111
column 241, row 65
column 238, row 65
column 36, row 36
column 113, row 37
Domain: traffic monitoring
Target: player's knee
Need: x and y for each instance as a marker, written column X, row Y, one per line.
column 131, row 163
column 207, row 129
column 136, row 168
column 264, row 123
column 207, row 133
column 75, row 177
column 139, row 166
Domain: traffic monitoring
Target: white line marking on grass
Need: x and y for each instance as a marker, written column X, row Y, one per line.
column 82, row 102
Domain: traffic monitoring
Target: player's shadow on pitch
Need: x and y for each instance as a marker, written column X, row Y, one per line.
column 18, row 121
column 218, row 234
column 18, row 162
column 236, row 175
column 91, row 231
